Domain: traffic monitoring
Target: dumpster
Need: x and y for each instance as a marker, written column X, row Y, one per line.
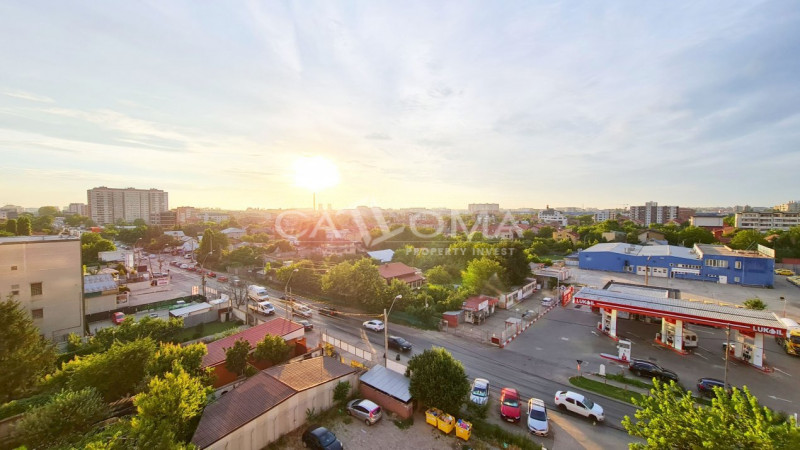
column 432, row 416
column 446, row 422
column 463, row 429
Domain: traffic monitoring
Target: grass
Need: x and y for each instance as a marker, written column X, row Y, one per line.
column 605, row 389
column 404, row 424
column 631, row 381
column 202, row 330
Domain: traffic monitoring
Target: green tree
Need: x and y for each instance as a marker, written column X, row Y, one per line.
column 272, row 348
column 117, row 372
column 176, row 399
column 438, row 275
column 92, row 244
column 25, row 356
column 669, row 418
column 341, row 392
column 130, row 330
column 11, row 226
column 211, row 245
column 483, row 276
column 747, row 239
column 65, row 417
column 511, row 256
column 42, row 223
column 360, row 282
column 695, row 235
column 189, row 358
column 755, row 303
column 24, row 226
column 236, row 356
column 729, row 221
column 438, row 380
column 49, row 211
column 306, row 278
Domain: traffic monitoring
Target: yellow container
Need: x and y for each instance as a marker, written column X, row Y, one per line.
column 446, row 423
column 463, row 429
column 432, row 416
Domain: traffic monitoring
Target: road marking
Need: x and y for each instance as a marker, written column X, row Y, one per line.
column 779, row 370
column 698, row 354
column 778, row 398
column 564, row 339
column 595, row 333
column 700, row 346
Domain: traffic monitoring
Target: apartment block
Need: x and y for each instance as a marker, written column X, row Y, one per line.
column 789, row 207
column 81, row 209
column 764, row 221
column 606, row 214
column 652, row 213
column 44, row 273
column 107, row 205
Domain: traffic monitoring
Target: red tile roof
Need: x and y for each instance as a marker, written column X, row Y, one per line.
column 277, row 326
column 395, row 270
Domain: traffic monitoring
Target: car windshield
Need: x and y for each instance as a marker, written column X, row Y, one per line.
column 327, row 438
column 588, row 403
column 400, row 341
column 511, row 402
column 538, row 414
column 479, row 391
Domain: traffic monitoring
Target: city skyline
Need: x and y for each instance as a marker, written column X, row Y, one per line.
column 412, row 105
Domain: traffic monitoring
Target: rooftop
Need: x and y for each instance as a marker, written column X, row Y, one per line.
column 395, row 270
column 308, row 373
column 26, row 239
column 388, row 381
column 724, row 250
column 277, row 326
column 99, row 283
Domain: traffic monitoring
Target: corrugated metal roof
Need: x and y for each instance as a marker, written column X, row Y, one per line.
column 703, row 310
column 98, row 283
column 194, row 307
column 388, row 381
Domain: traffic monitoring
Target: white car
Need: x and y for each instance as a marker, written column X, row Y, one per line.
column 537, row 417
column 301, row 310
column 480, row 391
column 577, row 403
column 184, row 266
column 374, row 325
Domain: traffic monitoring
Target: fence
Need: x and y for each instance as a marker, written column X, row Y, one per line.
column 106, row 315
column 349, row 348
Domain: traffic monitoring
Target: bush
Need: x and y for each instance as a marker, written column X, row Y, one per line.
column 15, row 407
column 341, row 392
column 67, row 415
column 755, row 303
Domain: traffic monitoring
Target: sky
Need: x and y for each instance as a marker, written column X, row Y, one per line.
column 402, row 104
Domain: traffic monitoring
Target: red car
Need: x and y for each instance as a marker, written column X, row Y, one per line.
column 509, row 405
column 212, row 274
column 223, row 278
column 117, row 318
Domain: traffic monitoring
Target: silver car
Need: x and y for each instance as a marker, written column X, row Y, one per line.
column 365, row 410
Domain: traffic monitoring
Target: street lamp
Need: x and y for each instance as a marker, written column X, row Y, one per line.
column 289, row 302
column 386, row 330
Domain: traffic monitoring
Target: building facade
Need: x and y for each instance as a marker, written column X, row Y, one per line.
column 789, row 207
column 550, row 215
column 80, row 209
column 44, row 274
column 606, row 214
column 652, row 213
column 107, row 205
column 484, row 209
column 765, row 221
column 705, row 262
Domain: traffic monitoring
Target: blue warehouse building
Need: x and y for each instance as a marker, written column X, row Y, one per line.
column 705, row 262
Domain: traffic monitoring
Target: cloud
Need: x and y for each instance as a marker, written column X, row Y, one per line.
column 29, row 96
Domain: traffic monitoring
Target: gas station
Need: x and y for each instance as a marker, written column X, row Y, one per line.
column 746, row 327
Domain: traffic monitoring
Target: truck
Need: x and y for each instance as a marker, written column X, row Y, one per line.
column 257, row 293
column 263, row 307
column 791, row 341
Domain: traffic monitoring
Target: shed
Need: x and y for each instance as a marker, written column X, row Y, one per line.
column 452, row 318
column 388, row 389
column 191, row 310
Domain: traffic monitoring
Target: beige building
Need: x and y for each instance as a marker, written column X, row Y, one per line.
column 44, row 273
column 107, row 205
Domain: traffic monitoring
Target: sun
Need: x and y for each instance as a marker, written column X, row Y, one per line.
column 315, row 173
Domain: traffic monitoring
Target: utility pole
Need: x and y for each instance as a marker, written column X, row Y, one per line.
column 386, row 332
column 727, row 352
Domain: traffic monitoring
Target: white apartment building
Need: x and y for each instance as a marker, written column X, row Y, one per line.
column 789, row 207
column 107, row 205
column 764, row 221
column 550, row 215
column 652, row 213
column 606, row 214
column 44, row 273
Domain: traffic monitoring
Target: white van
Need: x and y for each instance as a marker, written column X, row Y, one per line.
column 257, row 293
column 264, row 308
column 689, row 336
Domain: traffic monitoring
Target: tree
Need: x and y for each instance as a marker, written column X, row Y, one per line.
column 130, row 330
column 341, row 392
column 360, row 282
column 438, row 275
column 236, row 356
column 176, row 399
column 24, row 226
column 511, row 256
column 483, row 276
column 66, row 416
column 49, row 211
column 695, row 235
column 272, row 348
column 747, row 239
column 11, row 226
column 25, row 356
column 438, row 380
column 92, row 244
column 755, row 303
column 189, row 358
column 42, row 223
column 669, row 418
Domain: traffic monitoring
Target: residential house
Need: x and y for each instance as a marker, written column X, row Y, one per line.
column 270, row 404
column 569, row 235
column 650, row 235
column 399, row 271
column 614, row 236
column 234, row 233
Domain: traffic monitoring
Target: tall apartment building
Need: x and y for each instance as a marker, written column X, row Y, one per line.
column 652, row 213
column 107, row 205
column 765, row 221
column 44, row 274
column 791, row 206
column 484, row 209
column 80, row 209
column 606, row 214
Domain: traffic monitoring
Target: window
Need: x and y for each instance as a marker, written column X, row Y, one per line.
column 13, row 267
column 737, row 265
column 721, row 263
column 37, row 313
column 36, row 289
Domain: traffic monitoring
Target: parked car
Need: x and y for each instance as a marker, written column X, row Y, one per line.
column 705, row 386
column 301, row 310
column 480, row 391
column 577, row 403
column 548, row 301
column 785, row 272
column 374, row 325
column 537, row 417
column 328, row 311
column 364, row 410
column 223, row 279
column 117, row 318
column 307, row 326
column 510, row 408
column 321, row 438
column 153, row 315
column 642, row 368
column 211, row 274
column 184, row 266
column 399, row 344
